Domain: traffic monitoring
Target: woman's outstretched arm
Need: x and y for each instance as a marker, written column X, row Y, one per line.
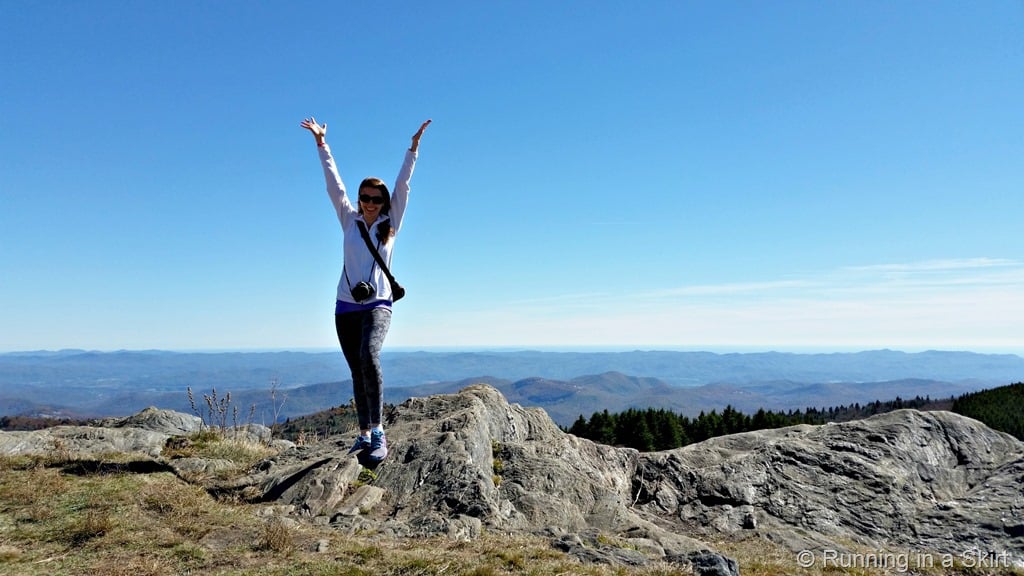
column 335, row 187
column 400, row 195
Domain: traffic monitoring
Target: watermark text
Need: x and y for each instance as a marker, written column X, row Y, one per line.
column 902, row 561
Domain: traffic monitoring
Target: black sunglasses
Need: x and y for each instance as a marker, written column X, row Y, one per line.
column 371, row 199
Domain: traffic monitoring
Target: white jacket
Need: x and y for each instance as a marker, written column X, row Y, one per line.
column 359, row 263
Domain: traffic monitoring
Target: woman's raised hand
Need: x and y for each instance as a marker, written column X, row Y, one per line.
column 319, row 132
column 415, row 137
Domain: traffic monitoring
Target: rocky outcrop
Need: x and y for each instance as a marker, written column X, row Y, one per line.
column 907, row 480
column 156, row 420
column 144, row 433
column 83, row 441
column 924, row 481
column 917, row 481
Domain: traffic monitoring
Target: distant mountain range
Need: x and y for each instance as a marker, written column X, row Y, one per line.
column 565, row 400
column 566, row 384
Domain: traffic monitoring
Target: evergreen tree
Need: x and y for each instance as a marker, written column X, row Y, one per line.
column 668, row 433
column 602, row 428
column 579, row 427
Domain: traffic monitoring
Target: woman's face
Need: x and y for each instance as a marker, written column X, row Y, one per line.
column 371, row 201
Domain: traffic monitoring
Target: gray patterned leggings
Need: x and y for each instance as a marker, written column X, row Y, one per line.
column 361, row 335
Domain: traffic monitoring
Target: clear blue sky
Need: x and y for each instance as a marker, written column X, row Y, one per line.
column 746, row 175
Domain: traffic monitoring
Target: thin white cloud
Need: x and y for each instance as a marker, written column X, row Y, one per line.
column 962, row 304
column 932, row 276
column 943, row 265
column 880, row 278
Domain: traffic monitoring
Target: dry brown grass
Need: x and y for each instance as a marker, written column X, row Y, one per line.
column 120, row 524
column 240, row 452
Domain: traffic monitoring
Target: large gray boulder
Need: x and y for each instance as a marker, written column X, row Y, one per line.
column 470, row 461
column 165, row 421
column 83, row 442
column 929, row 482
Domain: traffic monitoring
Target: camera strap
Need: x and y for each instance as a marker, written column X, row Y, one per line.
column 344, row 270
column 376, row 255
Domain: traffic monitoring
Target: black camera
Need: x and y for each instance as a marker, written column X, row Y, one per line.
column 362, row 291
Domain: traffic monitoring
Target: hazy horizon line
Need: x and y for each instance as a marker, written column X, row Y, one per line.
column 505, row 349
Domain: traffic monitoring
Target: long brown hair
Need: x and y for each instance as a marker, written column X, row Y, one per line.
column 384, row 228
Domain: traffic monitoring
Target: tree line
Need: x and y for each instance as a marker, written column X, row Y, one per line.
column 660, row 429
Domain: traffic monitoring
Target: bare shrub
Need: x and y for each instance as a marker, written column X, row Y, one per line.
column 94, row 524
column 276, row 536
column 217, row 409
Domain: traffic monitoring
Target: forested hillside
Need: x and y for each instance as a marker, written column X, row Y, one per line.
column 659, row 429
column 999, row 408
